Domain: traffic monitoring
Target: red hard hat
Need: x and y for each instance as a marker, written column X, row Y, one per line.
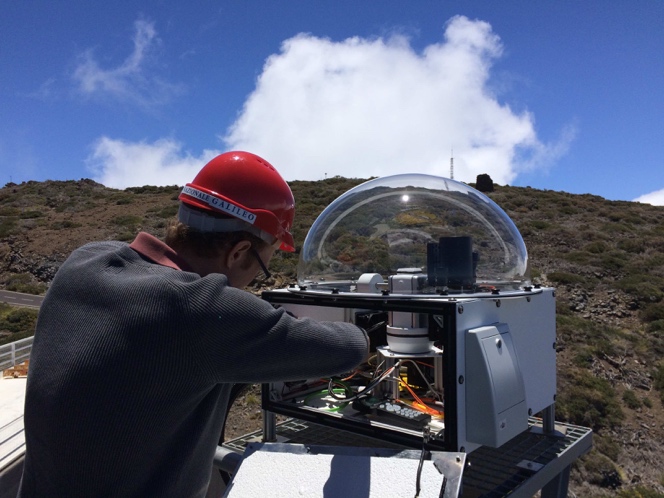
column 246, row 187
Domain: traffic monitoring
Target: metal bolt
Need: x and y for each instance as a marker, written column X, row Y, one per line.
column 528, row 299
column 461, row 379
column 460, row 310
column 497, row 303
column 530, row 411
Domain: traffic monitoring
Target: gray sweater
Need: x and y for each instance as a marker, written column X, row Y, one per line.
column 131, row 370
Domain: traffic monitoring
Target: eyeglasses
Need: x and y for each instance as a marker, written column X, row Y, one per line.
column 266, row 273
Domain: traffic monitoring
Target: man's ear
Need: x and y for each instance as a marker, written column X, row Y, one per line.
column 237, row 254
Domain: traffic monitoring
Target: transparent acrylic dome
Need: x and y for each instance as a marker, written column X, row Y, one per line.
column 414, row 223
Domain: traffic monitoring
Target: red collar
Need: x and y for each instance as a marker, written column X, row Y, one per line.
column 157, row 251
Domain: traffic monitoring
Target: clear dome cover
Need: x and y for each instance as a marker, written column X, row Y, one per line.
column 453, row 236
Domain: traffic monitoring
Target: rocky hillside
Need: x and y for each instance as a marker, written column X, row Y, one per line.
column 605, row 258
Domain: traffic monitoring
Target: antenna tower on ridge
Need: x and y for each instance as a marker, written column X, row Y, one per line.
column 452, row 165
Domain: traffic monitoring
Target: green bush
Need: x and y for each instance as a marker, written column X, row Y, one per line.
column 616, row 229
column 535, row 273
column 18, row 319
column 31, row 214
column 630, row 399
column 569, row 210
column 632, row 246
column 653, row 312
column 62, row 206
column 64, row 225
column 584, row 357
column 126, row 220
column 612, row 260
column 126, row 236
column 656, row 326
column 23, row 282
column 597, row 338
column 168, row 212
column 578, row 257
column 607, row 446
column 153, row 189
column 564, row 278
column 597, row 247
column 540, row 224
column 640, row 492
column 7, row 227
column 589, row 401
column 647, row 288
column 598, row 467
column 658, row 380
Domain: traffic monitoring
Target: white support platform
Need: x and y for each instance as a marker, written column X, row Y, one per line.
column 12, row 437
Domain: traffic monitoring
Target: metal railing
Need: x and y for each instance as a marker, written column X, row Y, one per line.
column 15, row 353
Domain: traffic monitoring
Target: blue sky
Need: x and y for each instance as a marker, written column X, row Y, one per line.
column 561, row 95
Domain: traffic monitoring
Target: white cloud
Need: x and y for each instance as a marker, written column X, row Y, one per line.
column 130, row 81
column 120, row 164
column 361, row 108
column 355, row 108
column 655, row 198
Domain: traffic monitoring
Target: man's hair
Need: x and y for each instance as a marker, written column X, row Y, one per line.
column 207, row 244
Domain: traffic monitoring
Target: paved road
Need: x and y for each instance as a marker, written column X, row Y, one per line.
column 20, row 299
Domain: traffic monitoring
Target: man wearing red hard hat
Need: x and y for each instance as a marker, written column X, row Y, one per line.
column 138, row 345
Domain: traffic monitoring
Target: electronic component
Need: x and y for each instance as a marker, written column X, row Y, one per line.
column 391, row 412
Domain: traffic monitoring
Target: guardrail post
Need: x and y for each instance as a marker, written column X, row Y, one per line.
column 15, row 353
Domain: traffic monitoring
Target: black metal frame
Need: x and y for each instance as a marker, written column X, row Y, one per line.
column 442, row 313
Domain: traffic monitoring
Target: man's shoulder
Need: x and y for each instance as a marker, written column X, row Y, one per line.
column 96, row 251
column 102, row 245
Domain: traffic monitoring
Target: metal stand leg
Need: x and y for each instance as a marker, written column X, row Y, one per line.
column 557, row 487
column 549, row 419
column 269, row 427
